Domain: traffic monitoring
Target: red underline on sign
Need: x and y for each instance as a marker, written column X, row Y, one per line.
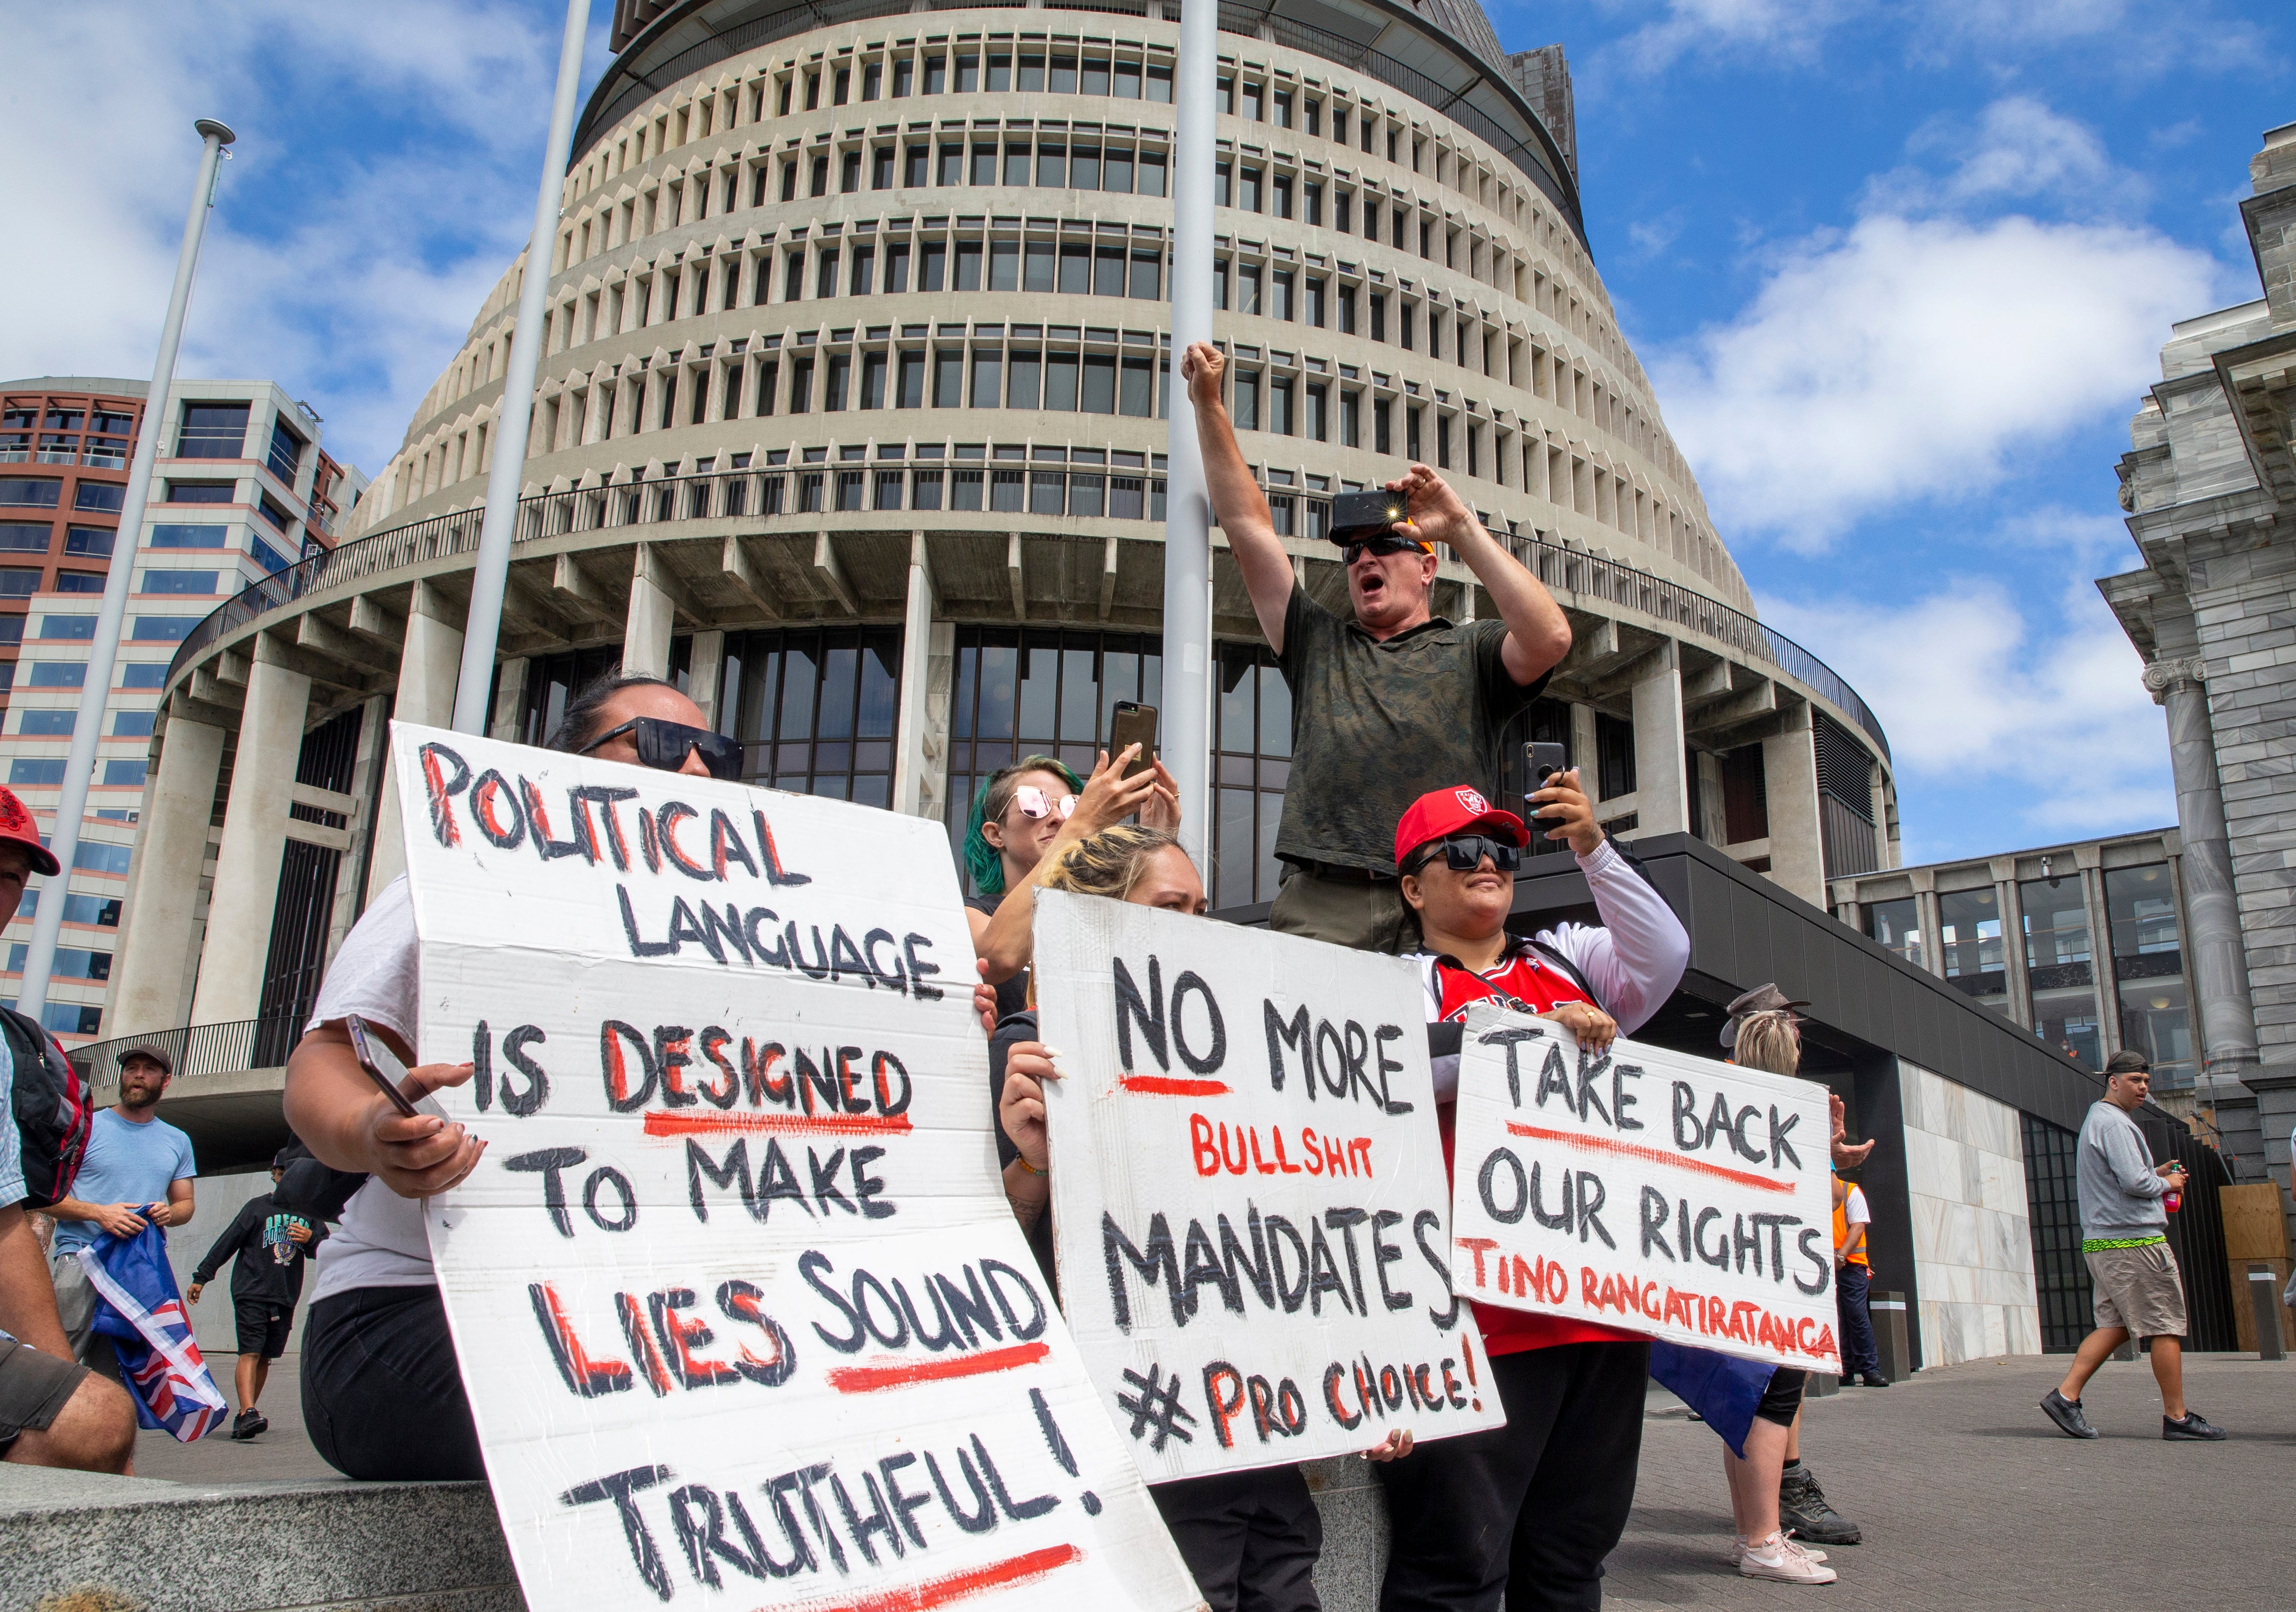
column 661, row 1123
column 954, row 1586
column 868, row 1380
column 1171, row 1086
column 1605, row 1144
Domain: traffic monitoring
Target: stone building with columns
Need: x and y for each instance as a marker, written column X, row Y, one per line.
column 2210, row 486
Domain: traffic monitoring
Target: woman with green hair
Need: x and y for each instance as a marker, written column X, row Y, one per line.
column 1021, row 813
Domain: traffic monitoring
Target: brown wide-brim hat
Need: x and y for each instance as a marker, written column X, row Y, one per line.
column 166, row 1064
column 1761, row 998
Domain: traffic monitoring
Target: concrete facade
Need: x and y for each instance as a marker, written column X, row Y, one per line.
column 2210, row 488
column 1973, row 1243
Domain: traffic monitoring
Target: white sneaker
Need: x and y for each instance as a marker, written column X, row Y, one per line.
column 1780, row 1559
column 1739, row 1544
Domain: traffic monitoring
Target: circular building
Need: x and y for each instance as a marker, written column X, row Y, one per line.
column 852, row 417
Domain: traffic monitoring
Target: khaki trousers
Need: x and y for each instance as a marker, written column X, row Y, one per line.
column 1362, row 917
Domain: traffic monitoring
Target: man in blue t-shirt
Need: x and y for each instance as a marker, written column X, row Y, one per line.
column 138, row 1167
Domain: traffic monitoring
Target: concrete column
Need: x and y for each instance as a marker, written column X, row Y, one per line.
column 510, row 699
column 147, row 989
column 2011, row 902
column 703, row 672
column 1925, row 908
column 1790, row 778
column 2218, row 963
column 2100, row 951
column 646, row 630
column 910, row 759
column 1661, row 781
column 366, row 780
column 430, row 660
column 1582, row 752
column 254, row 839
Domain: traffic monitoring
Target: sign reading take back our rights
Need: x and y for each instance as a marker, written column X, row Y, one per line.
column 744, row 1315
column 1644, row 1188
column 1248, row 1193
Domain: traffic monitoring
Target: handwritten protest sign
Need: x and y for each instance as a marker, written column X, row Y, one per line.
column 743, row 1315
column 1644, row 1189
column 1248, row 1193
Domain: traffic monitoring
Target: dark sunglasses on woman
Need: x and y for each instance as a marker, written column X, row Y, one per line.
column 664, row 745
column 1465, row 853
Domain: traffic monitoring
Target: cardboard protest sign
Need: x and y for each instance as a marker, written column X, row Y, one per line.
column 744, row 1315
column 1644, row 1188
column 1248, row 1193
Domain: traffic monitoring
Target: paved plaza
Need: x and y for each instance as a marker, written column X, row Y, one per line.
column 1968, row 1497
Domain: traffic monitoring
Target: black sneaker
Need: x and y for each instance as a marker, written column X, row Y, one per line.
column 247, row 1423
column 1872, row 1379
column 2192, row 1425
column 2067, row 1414
column 1804, row 1513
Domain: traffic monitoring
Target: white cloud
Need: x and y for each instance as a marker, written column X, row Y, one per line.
column 2000, row 706
column 1914, row 358
column 1789, row 29
column 383, row 178
column 2016, row 149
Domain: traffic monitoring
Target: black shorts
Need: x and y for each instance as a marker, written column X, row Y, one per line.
column 262, row 1326
column 34, row 1388
column 1782, row 1400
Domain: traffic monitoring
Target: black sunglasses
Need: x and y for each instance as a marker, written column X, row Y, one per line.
column 663, row 745
column 1374, row 546
column 1465, row 853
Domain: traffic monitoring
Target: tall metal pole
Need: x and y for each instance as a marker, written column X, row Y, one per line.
column 103, row 654
column 499, row 529
column 1187, row 716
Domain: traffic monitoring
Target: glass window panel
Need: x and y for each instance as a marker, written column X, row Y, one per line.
column 1275, row 713
column 1025, row 385
column 1099, row 383
column 1116, row 170
column 1078, row 707
column 1006, row 490
column 2156, row 1021
column 1016, row 162
column 1896, row 925
column 1039, row 274
column 2141, row 906
column 1000, row 71
column 924, row 492
column 984, row 163
column 881, row 677
column 840, row 676
column 1076, row 271
column 2056, row 920
column 968, row 266
column 1005, row 266
column 1969, row 939
column 1046, row 489
column 1032, row 71
column 1000, row 682
column 1053, row 163
column 1087, row 494
column 1151, row 180
column 1061, row 379
column 1237, row 686
column 1084, row 168
column 964, row 490
column 1039, row 695
column 1233, row 856
column 1063, row 80
column 988, row 377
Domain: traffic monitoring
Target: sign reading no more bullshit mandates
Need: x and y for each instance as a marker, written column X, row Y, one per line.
column 1644, row 1188
column 744, row 1315
column 1248, row 1193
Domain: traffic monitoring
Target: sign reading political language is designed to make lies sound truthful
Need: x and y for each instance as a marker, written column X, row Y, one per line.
column 1248, row 1193
column 1644, row 1188
column 744, row 1317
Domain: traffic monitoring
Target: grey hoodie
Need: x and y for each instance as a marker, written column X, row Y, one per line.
column 2120, row 1194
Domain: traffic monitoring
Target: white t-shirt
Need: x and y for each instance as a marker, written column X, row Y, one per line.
column 1857, row 1213
column 378, row 976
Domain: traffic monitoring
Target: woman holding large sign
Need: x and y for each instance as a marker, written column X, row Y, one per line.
column 1522, row 1516
column 1251, row 1538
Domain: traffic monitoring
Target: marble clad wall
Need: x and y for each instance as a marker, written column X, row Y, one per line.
column 1973, row 1243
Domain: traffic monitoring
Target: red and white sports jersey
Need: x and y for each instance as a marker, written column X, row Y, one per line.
column 1634, row 960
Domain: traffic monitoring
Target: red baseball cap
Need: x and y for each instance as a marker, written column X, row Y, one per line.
column 1441, row 813
column 17, row 826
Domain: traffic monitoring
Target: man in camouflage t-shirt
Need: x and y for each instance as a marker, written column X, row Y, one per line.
column 1388, row 706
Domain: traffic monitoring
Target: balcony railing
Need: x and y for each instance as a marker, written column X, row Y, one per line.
column 200, row 1049
column 1013, row 488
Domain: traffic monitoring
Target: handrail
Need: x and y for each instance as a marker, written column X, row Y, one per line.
column 1014, row 488
column 200, row 1049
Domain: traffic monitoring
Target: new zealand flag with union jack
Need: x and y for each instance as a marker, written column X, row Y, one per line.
column 143, row 1315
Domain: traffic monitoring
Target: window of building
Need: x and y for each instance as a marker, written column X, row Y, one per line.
column 171, row 535
column 1896, row 925
column 286, row 457
column 2057, row 967
column 1614, row 754
column 178, row 582
column 95, row 857
column 20, row 582
column 816, row 708
column 72, row 962
column 81, row 627
column 46, row 723
column 1249, row 773
column 97, row 497
column 132, row 724
column 24, row 536
column 30, row 492
column 57, row 673
column 1025, row 691
column 162, row 629
column 2053, row 1205
column 95, row 542
column 39, row 771
column 2148, row 967
column 212, row 431
column 551, row 681
column 1969, row 939
column 79, row 582
column 125, row 772
column 144, row 674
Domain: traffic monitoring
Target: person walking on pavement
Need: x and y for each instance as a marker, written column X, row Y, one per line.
column 2125, row 1239
column 268, row 1246
column 138, row 1167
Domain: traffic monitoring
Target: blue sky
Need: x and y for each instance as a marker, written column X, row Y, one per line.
column 1901, row 273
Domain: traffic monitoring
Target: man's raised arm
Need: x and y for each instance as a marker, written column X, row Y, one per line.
column 1538, row 633
column 1238, row 504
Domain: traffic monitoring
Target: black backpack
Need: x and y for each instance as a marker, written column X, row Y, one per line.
column 51, row 1108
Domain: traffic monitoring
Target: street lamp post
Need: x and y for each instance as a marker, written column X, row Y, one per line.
column 499, row 527
column 1186, row 717
column 103, row 655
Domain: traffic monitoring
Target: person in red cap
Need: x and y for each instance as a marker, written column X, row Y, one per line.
column 1522, row 1516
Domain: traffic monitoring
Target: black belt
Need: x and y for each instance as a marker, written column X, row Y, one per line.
column 1335, row 872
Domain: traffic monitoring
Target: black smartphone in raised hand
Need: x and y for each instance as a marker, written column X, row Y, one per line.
column 1545, row 762
column 1131, row 723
